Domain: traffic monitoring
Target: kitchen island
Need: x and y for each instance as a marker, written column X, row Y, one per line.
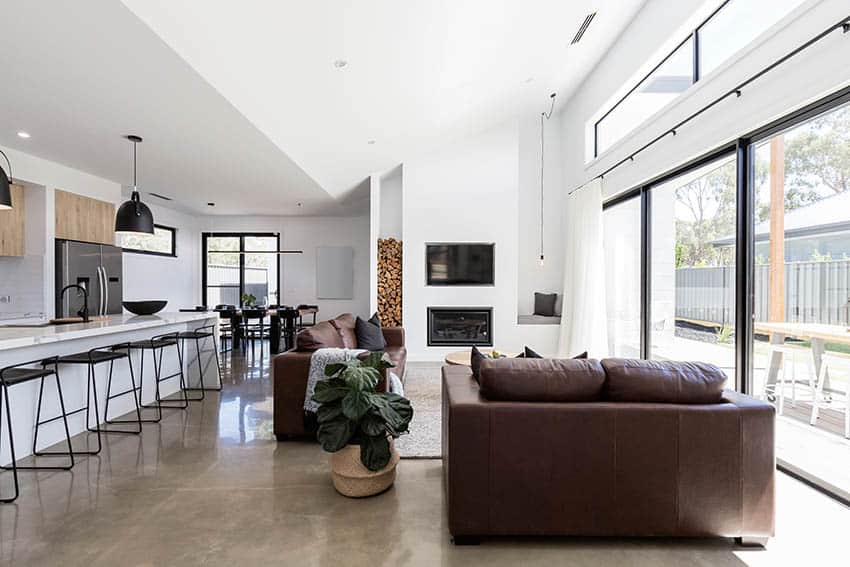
column 36, row 340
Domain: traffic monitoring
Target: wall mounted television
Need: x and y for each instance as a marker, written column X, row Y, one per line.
column 468, row 264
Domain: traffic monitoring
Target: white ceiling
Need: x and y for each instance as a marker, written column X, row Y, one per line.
column 287, row 126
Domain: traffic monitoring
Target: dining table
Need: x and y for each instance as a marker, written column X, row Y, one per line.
column 817, row 333
column 281, row 326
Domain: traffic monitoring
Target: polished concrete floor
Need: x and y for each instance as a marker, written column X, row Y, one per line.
column 210, row 486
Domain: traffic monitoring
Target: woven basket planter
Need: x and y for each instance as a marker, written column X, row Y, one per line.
column 351, row 478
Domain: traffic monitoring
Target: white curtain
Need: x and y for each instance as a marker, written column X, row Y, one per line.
column 583, row 318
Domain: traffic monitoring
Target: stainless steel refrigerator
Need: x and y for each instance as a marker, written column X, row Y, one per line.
column 95, row 267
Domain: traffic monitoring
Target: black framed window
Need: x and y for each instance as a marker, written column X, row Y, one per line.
column 728, row 29
column 239, row 266
column 745, row 262
column 163, row 242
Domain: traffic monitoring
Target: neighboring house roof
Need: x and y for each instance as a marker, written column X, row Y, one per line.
column 829, row 215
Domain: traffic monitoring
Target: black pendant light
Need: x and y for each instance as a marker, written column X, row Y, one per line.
column 5, row 182
column 133, row 216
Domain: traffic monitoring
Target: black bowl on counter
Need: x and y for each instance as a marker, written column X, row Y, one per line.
column 145, row 307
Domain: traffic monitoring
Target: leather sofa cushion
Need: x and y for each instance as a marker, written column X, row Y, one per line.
column 541, row 380
column 345, row 325
column 320, row 335
column 655, row 381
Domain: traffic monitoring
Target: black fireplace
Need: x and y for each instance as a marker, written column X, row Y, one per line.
column 460, row 326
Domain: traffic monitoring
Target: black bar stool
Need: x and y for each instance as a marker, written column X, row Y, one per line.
column 156, row 345
column 16, row 374
column 91, row 359
column 198, row 335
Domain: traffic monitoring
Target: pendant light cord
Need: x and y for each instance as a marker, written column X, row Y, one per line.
column 547, row 116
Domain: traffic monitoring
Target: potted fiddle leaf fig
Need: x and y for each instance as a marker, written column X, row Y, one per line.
column 357, row 424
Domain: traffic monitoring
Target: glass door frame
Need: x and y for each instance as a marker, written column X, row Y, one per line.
column 744, row 150
column 242, row 252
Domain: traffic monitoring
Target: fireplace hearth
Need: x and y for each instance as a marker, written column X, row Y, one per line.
column 460, row 326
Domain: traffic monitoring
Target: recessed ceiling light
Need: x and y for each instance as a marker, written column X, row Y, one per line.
column 24, row 135
column 340, row 63
column 371, row 142
column 528, row 80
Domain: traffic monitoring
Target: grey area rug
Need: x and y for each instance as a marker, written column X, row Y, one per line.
column 422, row 386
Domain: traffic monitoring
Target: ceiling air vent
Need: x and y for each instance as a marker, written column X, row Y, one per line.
column 584, row 25
column 158, row 196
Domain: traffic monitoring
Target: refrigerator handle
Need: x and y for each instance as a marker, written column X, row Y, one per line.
column 105, row 290
column 101, row 290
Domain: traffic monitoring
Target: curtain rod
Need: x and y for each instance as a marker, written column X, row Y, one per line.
column 843, row 25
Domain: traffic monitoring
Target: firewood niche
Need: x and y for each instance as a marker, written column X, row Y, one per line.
column 389, row 282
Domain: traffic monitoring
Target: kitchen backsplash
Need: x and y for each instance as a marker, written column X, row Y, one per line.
column 21, row 287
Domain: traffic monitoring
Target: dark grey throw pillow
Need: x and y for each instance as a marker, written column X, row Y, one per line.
column 528, row 353
column 544, row 304
column 582, row 355
column 475, row 358
column 369, row 334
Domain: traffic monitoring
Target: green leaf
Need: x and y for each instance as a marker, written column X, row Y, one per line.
column 375, row 452
column 361, row 377
column 329, row 412
column 334, row 435
column 335, row 368
column 373, row 424
column 394, row 410
column 355, row 405
column 378, row 360
column 328, row 391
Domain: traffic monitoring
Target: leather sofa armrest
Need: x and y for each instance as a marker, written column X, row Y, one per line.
column 466, row 457
column 394, row 336
column 758, row 422
column 291, row 370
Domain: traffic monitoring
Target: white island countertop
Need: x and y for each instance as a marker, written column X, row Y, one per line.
column 20, row 335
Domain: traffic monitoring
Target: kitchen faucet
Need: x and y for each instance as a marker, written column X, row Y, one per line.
column 85, row 311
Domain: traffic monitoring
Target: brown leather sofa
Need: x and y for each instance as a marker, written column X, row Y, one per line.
column 611, row 448
column 292, row 368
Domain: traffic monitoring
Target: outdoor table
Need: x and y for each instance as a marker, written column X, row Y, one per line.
column 819, row 334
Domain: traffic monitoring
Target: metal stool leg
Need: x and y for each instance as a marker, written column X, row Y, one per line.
column 109, row 396
column 4, row 393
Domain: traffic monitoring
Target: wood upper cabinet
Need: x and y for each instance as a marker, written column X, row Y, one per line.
column 84, row 219
column 12, row 225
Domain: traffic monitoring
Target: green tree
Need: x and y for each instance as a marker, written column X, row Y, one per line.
column 817, row 157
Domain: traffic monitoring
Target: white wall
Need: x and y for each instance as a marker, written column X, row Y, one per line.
column 298, row 272
column 466, row 191
column 548, row 278
column 809, row 76
column 392, row 205
column 177, row 280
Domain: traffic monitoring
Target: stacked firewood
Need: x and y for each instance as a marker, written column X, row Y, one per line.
column 389, row 282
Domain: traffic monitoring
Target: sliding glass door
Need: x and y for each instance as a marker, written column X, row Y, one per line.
column 801, row 282
column 741, row 258
column 692, row 266
column 239, row 266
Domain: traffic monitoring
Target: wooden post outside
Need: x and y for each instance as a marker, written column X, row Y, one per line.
column 776, row 311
